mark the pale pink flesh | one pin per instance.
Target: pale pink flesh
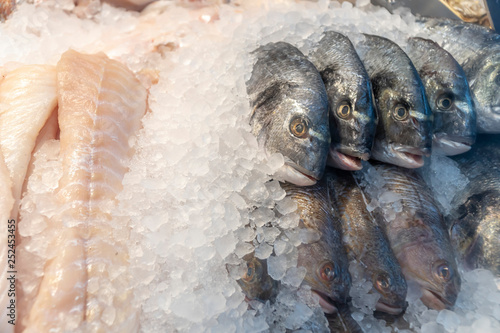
(28, 95)
(100, 107)
(6, 204)
(342, 161)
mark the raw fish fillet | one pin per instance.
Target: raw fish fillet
(6, 203)
(84, 286)
(27, 97)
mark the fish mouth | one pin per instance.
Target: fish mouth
(433, 300)
(292, 173)
(343, 161)
(410, 157)
(392, 310)
(451, 146)
(326, 303)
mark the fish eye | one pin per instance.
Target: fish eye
(250, 273)
(497, 79)
(444, 102)
(400, 112)
(382, 283)
(327, 272)
(298, 127)
(443, 272)
(344, 110)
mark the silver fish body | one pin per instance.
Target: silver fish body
(475, 223)
(352, 118)
(290, 111)
(367, 245)
(477, 50)
(449, 97)
(404, 130)
(419, 238)
(324, 258)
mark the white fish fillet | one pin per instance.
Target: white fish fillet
(27, 97)
(6, 203)
(84, 286)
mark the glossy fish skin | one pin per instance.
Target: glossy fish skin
(419, 238)
(325, 259)
(475, 224)
(368, 246)
(404, 130)
(290, 111)
(449, 97)
(353, 119)
(477, 50)
(343, 322)
(256, 283)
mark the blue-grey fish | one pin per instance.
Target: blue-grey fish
(449, 97)
(475, 223)
(290, 111)
(367, 245)
(256, 283)
(324, 257)
(352, 115)
(477, 50)
(404, 131)
(418, 236)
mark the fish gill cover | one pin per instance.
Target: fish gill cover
(198, 195)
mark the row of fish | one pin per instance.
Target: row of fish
(91, 105)
(412, 245)
(385, 222)
(337, 108)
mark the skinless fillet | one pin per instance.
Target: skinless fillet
(27, 97)
(84, 286)
(6, 203)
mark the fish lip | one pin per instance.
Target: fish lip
(453, 145)
(343, 161)
(392, 310)
(411, 157)
(326, 303)
(429, 296)
(292, 173)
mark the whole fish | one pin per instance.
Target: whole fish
(352, 115)
(418, 236)
(324, 258)
(367, 245)
(290, 111)
(477, 50)
(475, 224)
(404, 131)
(449, 97)
(256, 283)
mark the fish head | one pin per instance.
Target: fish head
(404, 131)
(453, 108)
(327, 274)
(391, 285)
(429, 260)
(485, 88)
(353, 120)
(256, 283)
(299, 130)
(475, 231)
